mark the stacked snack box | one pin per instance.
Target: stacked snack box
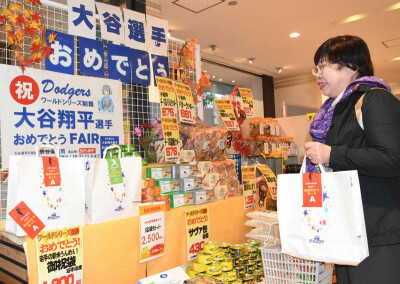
(226, 263)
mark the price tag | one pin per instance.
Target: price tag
(168, 102)
(185, 103)
(227, 114)
(247, 98)
(197, 230)
(249, 186)
(152, 231)
(171, 138)
(60, 256)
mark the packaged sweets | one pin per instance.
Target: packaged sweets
(228, 176)
(209, 144)
(165, 198)
(255, 129)
(267, 127)
(292, 149)
(187, 129)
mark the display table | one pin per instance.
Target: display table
(111, 250)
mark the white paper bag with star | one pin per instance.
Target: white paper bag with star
(321, 217)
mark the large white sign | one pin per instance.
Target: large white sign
(82, 115)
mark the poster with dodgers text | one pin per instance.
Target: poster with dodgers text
(82, 115)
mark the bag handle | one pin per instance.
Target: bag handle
(47, 146)
(303, 166)
(112, 147)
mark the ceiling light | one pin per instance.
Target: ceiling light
(251, 60)
(395, 59)
(205, 71)
(214, 85)
(232, 3)
(220, 79)
(169, 34)
(213, 76)
(279, 69)
(294, 35)
(233, 81)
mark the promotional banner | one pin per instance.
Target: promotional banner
(140, 63)
(111, 22)
(247, 98)
(270, 178)
(197, 230)
(119, 59)
(185, 103)
(135, 29)
(60, 256)
(249, 186)
(227, 114)
(160, 66)
(91, 54)
(167, 97)
(82, 115)
(81, 18)
(171, 138)
(157, 32)
(62, 58)
(152, 231)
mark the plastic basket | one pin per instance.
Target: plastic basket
(280, 268)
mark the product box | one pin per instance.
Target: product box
(210, 181)
(205, 167)
(190, 183)
(167, 185)
(174, 275)
(179, 199)
(149, 193)
(148, 182)
(221, 192)
(164, 197)
(182, 171)
(202, 196)
(158, 172)
(187, 156)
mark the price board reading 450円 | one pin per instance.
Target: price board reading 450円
(167, 97)
(185, 103)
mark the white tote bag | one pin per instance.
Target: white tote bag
(57, 206)
(106, 201)
(322, 225)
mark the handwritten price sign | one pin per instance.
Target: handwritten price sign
(171, 138)
(247, 98)
(227, 114)
(197, 230)
(168, 102)
(185, 103)
(249, 186)
(152, 231)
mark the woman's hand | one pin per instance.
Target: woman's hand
(318, 153)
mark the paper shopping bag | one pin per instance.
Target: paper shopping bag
(321, 217)
(52, 187)
(113, 185)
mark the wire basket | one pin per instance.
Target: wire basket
(280, 268)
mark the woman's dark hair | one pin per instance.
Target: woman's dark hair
(346, 50)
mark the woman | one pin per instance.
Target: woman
(370, 145)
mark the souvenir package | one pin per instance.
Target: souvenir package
(187, 129)
(228, 176)
(256, 126)
(209, 144)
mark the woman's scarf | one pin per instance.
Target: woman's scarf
(323, 118)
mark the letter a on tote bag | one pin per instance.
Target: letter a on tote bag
(112, 187)
(321, 217)
(52, 187)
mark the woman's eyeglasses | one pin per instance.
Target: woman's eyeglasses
(318, 68)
